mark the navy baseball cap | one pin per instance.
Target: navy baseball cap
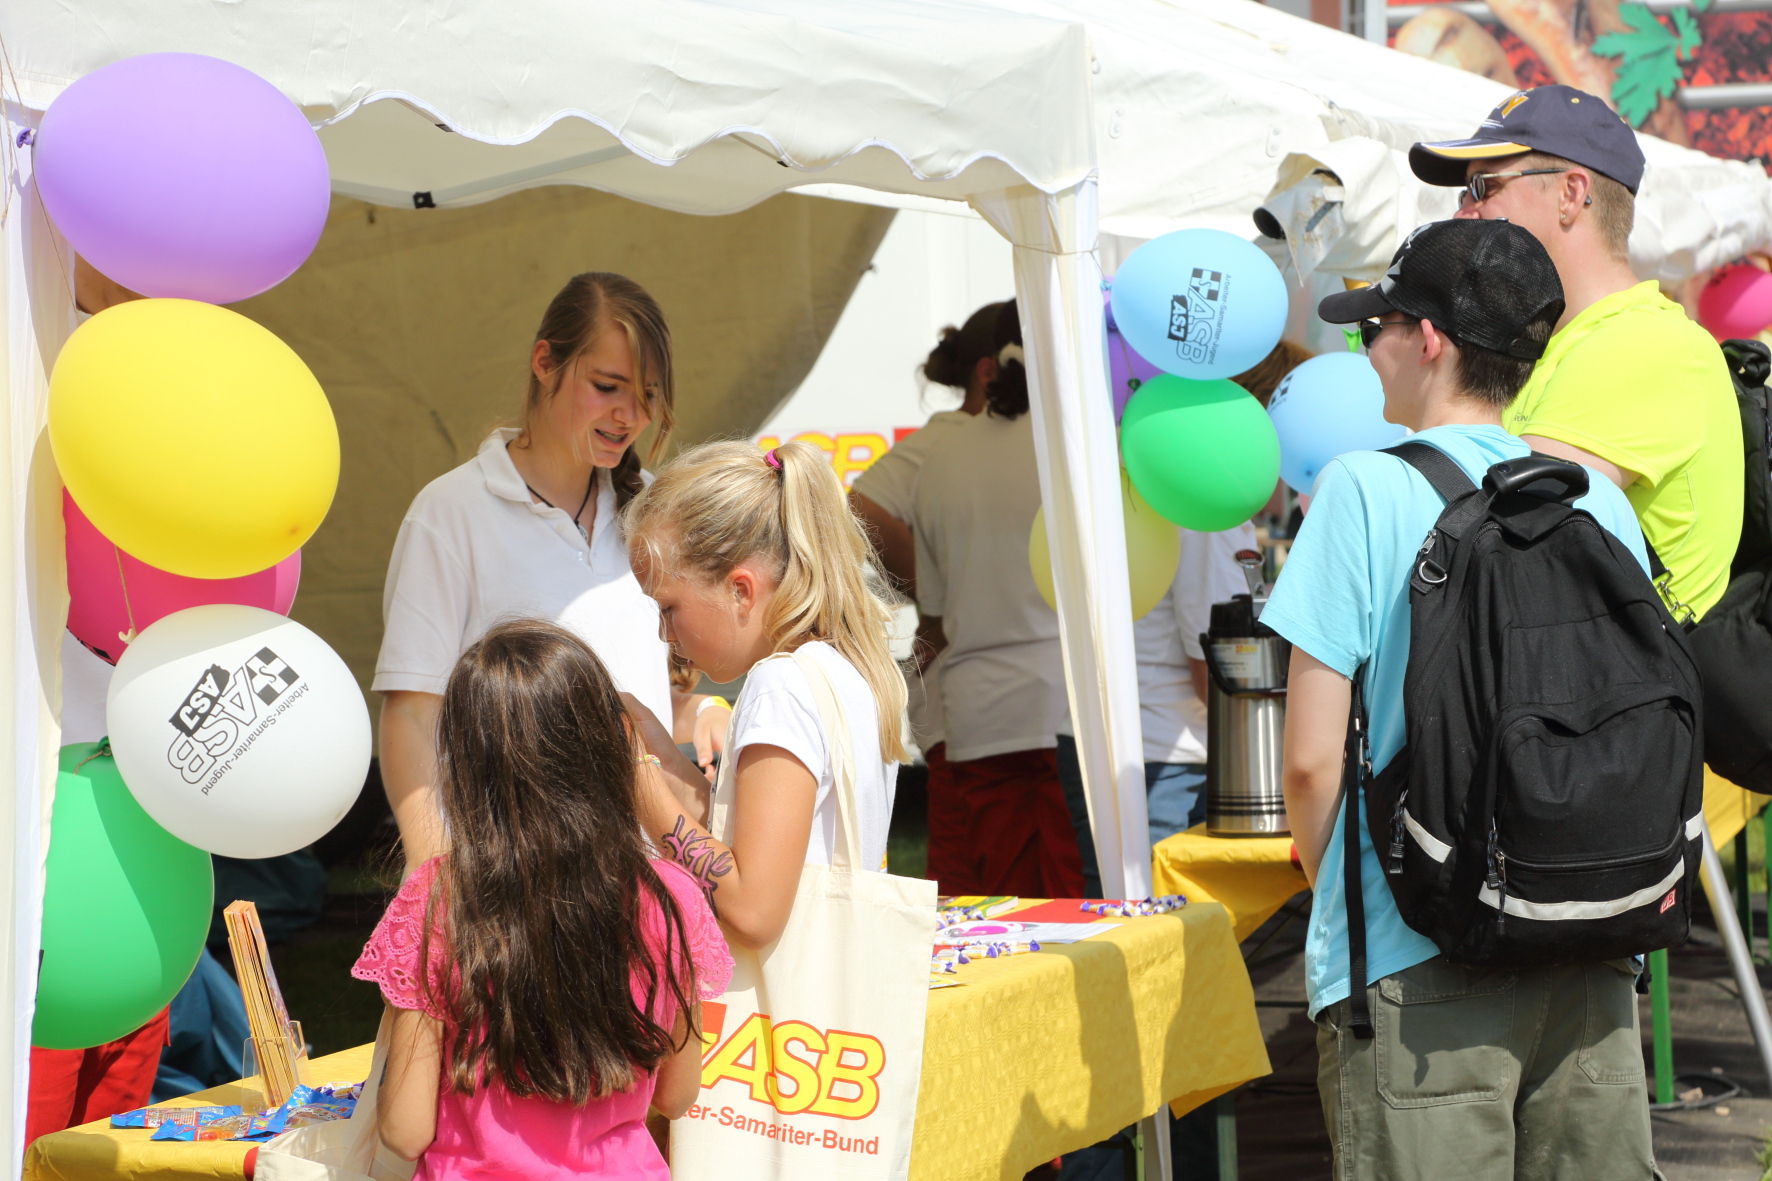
(1480, 282)
(1556, 120)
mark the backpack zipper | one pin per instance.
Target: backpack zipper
(1394, 866)
(1497, 878)
(1604, 862)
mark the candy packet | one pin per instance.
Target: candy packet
(226, 1127)
(154, 1117)
(305, 1105)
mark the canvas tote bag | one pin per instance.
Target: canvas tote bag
(343, 1150)
(815, 1051)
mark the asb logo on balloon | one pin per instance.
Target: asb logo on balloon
(238, 730)
(1199, 303)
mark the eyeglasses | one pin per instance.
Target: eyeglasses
(1477, 187)
(1369, 330)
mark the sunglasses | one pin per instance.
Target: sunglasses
(1478, 187)
(1369, 330)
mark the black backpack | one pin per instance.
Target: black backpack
(1733, 642)
(1545, 807)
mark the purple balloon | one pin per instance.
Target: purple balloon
(1126, 369)
(181, 175)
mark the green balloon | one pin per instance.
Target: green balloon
(1202, 453)
(126, 909)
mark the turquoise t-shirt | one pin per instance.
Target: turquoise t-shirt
(1343, 597)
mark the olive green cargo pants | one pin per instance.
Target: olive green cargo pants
(1526, 1075)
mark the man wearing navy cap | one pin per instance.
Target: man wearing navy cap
(1628, 385)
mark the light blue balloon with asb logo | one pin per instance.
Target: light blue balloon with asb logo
(1328, 406)
(1199, 303)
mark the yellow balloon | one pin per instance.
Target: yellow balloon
(1153, 549)
(192, 437)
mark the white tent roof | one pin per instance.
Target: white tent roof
(742, 99)
(1188, 108)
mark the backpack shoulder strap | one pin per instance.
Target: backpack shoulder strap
(1447, 478)
(1353, 768)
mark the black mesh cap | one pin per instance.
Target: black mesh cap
(1480, 282)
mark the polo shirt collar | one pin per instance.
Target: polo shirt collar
(495, 463)
(504, 482)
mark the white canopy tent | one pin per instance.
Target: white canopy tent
(693, 106)
(1053, 120)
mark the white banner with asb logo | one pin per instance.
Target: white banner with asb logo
(815, 1051)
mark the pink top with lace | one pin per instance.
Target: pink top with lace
(493, 1134)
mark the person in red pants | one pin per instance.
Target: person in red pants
(997, 817)
(73, 1087)
(1000, 826)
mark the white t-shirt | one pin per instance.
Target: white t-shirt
(776, 708)
(891, 482)
(1002, 685)
(474, 549)
(1172, 718)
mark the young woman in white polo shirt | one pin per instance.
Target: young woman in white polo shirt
(528, 528)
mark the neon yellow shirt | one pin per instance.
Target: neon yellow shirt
(1634, 381)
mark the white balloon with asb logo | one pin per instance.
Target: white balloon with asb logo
(238, 730)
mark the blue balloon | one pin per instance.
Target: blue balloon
(1328, 406)
(1200, 303)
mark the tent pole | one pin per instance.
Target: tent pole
(1753, 999)
(1058, 294)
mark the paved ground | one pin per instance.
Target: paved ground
(1280, 1124)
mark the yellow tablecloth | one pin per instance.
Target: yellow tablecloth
(97, 1150)
(1043, 1054)
(1251, 877)
(1036, 1055)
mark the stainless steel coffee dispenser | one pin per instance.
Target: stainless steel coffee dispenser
(1245, 716)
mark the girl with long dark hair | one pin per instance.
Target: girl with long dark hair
(544, 972)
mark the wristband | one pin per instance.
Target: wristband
(711, 701)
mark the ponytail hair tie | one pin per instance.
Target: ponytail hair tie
(1011, 352)
(772, 459)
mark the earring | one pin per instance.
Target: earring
(1587, 201)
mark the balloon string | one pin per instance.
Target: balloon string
(101, 751)
(127, 637)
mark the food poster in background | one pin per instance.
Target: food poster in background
(1660, 70)
(865, 393)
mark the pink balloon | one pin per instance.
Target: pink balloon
(1737, 302)
(1126, 369)
(109, 591)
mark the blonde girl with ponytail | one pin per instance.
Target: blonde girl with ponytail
(751, 556)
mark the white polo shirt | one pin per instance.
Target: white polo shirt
(891, 482)
(474, 549)
(1002, 684)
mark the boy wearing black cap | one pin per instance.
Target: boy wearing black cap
(1628, 385)
(1475, 1074)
